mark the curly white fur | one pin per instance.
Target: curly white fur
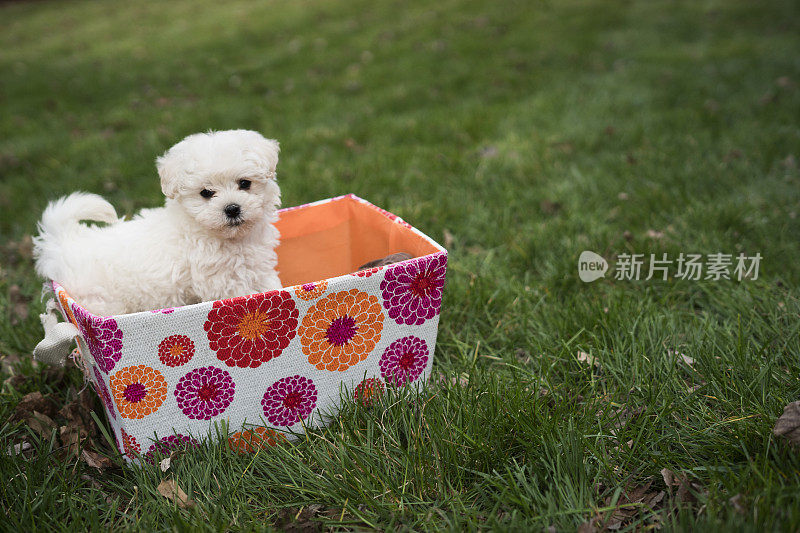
(186, 252)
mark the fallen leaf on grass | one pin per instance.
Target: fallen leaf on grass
(165, 462)
(42, 424)
(299, 520)
(549, 207)
(683, 357)
(34, 402)
(8, 362)
(448, 238)
(72, 437)
(788, 425)
(96, 460)
(589, 359)
(15, 382)
(686, 490)
(19, 304)
(631, 503)
(169, 489)
(18, 448)
(736, 503)
(623, 416)
(92, 481)
(78, 412)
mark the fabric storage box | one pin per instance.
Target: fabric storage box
(273, 363)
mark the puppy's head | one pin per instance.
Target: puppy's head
(224, 180)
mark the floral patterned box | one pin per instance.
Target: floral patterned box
(277, 362)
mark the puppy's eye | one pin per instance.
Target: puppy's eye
(205, 193)
(244, 184)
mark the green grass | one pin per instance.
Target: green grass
(468, 119)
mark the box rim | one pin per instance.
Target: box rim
(54, 285)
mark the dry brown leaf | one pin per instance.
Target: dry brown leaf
(736, 503)
(95, 460)
(169, 489)
(34, 402)
(42, 424)
(788, 425)
(92, 481)
(589, 359)
(20, 447)
(686, 490)
(72, 437)
(626, 508)
(8, 362)
(78, 412)
(624, 415)
(299, 520)
(683, 357)
(448, 238)
(550, 207)
(19, 304)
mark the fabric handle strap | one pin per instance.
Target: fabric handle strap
(58, 337)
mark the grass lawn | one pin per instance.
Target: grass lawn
(518, 134)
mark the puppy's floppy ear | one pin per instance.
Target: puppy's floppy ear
(170, 169)
(263, 153)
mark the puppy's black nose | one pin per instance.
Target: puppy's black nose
(232, 210)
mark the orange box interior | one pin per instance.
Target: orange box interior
(335, 238)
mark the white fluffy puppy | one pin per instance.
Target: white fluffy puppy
(214, 238)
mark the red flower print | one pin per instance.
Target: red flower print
(289, 400)
(176, 350)
(250, 330)
(367, 272)
(130, 447)
(368, 391)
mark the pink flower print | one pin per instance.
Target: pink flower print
(102, 335)
(102, 391)
(205, 392)
(169, 444)
(404, 360)
(412, 291)
(289, 400)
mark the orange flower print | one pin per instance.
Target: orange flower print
(63, 297)
(138, 391)
(250, 440)
(341, 329)
(310, 291)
